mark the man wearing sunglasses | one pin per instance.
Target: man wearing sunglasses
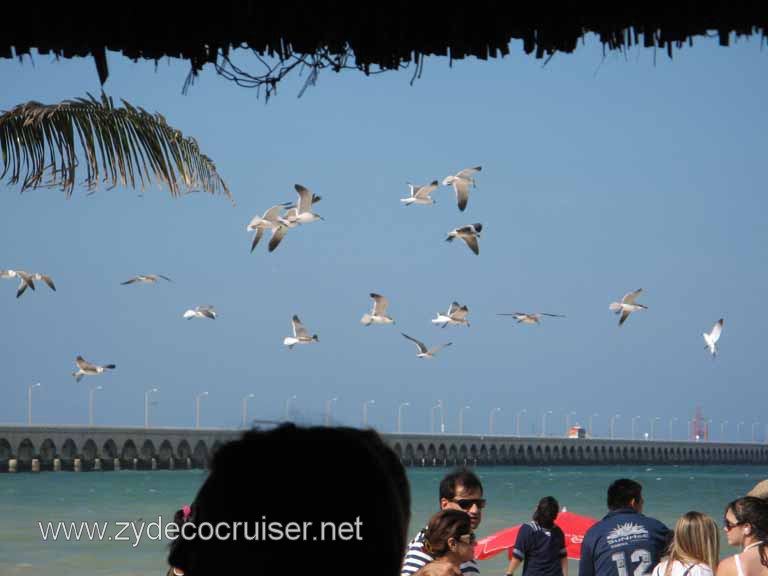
(459, 490)
(625, 542)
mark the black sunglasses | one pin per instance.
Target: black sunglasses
(467, 503)
(728, 525)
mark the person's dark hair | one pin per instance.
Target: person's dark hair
(459, 477)
(343, 489)
(546, 512)
(622, 492)
(446, 524)
(753, 511)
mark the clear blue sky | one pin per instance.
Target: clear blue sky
(597, 179)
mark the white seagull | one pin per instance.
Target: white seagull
(85, 368)
(423, 351)
(146, 279)
(203, 311)
(713, 336)
(461, 182)
(528, 318)
(302, 213)
(269, 221)
(627, 305)
(378, 312)
(456, 315)
(420, 194)
(300, 334)
(469, 233)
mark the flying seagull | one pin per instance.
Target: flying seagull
(627, 305)
(302, 213)
(378, 312)
(269, 221)
(423, 351)
(469, 233)
(456, 315)
(528, 318)
(203, 311)
(85, 368)
(461, 182)
(146, 279)
(420, 194)
(300, 334)
(713, 336)
(25, 280)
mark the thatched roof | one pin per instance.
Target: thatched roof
(381, 35)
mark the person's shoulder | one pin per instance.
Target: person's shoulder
(727, 567)
(470, 567)
(701, 570)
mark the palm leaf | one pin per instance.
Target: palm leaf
(39, 146)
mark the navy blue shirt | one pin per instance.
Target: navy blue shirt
(541, 549)
(624, 543)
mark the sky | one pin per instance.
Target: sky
(599, 176)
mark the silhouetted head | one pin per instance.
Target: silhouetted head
(546, 512)
(326, 496)
(625, 493)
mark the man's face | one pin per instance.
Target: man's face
(472, 500)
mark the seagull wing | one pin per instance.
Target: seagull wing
(271, 214)
(716, 330)
(424, 191)
(454, 306)
(23, 287)
(277, 236)
(380, 304)
(256, 238)
(47, 279)
(461, 186)
(208, 312)
(472, 243)
(83, 364)
(630, 297)
(298, 328)
(434, 350)
(419, 344)
(552, 315)
(305, 198)
(164, 277)
(466, 174)
(624, 316)
(459, 313)
(131, 281)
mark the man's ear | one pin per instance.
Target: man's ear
(443, 503)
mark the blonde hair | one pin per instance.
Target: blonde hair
(696, 541)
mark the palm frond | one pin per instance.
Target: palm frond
(39, 146)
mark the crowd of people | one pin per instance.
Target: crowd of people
(292, 483)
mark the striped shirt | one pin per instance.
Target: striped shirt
(417, 558)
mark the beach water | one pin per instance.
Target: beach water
(149, 497)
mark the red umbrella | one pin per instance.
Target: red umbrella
(574, 526)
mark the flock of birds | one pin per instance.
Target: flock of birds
(281, 218)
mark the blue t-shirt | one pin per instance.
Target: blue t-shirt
(541, 549)
(624, 543)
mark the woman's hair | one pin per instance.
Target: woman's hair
(546, 512)
(696, 540)
(322, 495)
(442, 526)
(753, 511)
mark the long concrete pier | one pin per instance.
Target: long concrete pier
(83, 448)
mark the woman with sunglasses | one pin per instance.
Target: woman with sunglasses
(449, 539)
(695, 547)
(746, 526)
(540, 544)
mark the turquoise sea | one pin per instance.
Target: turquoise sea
(512, 492)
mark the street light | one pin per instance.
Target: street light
(490, 419)
(738, 431)
(288, 407)
(328, 407)
(754, 435)
(365, 411)
(90, 403)
(29, 401)
(671, 420)
(432, 417)
(461, 418)
(245, 408)
(517, 420)
(722, 430)
(634, 419)
(544, 422)
(146, 406)
(568, 421)
(197, 408)
(589, 432)
(653, 422)
(442, 416)
(611, 423)
(400, 416)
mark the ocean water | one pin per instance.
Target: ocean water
(512, 493)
